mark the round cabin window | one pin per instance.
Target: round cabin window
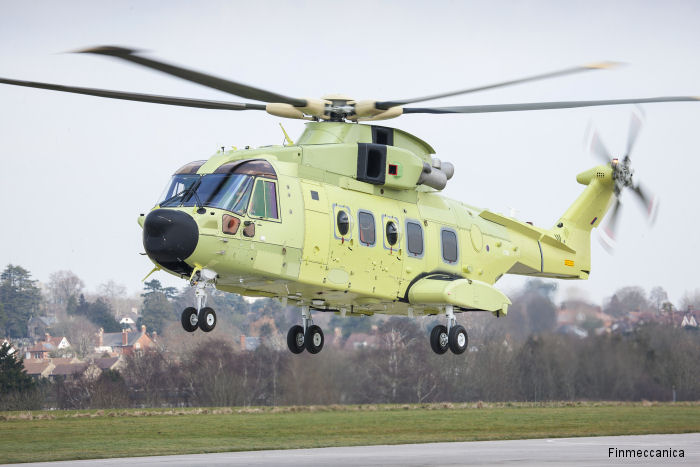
(343, 223)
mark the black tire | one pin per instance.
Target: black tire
(188, 319)
(206, 319)
(458, 339)
(295, 339)
(439, 340)
(313, 339)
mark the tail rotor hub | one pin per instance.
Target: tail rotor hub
(622, 173)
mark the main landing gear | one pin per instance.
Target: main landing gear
(453, 336)
(202, 317)
(308, 336)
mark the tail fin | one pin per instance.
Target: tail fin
(573, 228)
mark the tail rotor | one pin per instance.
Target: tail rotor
(623, 178)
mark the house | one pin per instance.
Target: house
(124, 342)
(578, 312)
(73, 371)
(127, 323)
(38, 368)
(42, 349)
(110, 363)
(40, 325)
(689, 321)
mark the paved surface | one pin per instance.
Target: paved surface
(532, 452)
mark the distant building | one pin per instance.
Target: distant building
(127, 323)
(38, 368)
(42, 349)
(689, 321)
(122, 343)
(40, 325)
(575, 312)
(110, 363)
(73, 371)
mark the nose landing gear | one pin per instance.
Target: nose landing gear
(309, 336)
(453, 336)
(202, 317)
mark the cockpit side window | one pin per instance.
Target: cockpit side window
(264, 200)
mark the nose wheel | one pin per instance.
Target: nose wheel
(453, 336)
(202, 317)
(308, 337)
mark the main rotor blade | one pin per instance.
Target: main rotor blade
(475, 109)
(231, 87)
(133, 96)
(385, 105)
(635, 125)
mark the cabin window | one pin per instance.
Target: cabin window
(264, 200)
(343, 223)
(367, 228)
(448, 238)
(414, 238)
(392, 233)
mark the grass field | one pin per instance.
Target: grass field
(62, 435)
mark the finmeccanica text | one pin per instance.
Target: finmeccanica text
(642, 453)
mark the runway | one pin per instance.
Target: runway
(530, 452)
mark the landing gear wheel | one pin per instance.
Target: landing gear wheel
(189, 319)
(458, 339)
(313, 339)
(439, 340)
(295, 339)
(206, 319)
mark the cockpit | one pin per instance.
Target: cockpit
(240, 187)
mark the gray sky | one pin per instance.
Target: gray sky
(77, 170)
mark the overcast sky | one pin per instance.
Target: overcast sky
(77, 170)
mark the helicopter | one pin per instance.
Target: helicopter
(349, 217)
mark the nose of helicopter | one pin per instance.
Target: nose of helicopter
(169, 237)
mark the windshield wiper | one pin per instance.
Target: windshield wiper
(192, 189)
(179, 193)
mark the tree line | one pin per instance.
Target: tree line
(652, 363)
(518, 357)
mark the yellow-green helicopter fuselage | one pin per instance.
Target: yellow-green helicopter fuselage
(348, 219)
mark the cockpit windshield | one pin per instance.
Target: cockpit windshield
(176, 189)
(224, 191)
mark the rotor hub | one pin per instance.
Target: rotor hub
(622, 173)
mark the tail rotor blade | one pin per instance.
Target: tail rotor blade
(596, 145)
(649, 201)
(610, 228)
